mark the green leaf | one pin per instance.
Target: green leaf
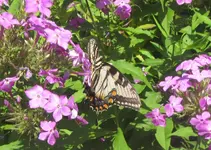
(204, 18)
(163, 134)
(119, 142)
(153, 62)
(15, 7)
(153, 99)
(138, 31)
(184, 132)
(160, 27)
(79, 96)
(12, 146)
(166, 23)
(162, 4)
(128, 68)
(65, 132)
(139, 88)
(146, 53)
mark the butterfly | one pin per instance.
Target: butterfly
(108, 85)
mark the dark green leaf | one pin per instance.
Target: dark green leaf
(119, 142)
(163, 134)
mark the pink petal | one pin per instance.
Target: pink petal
(56, 134)
(194, 121)
(51, 139)
(57, 115)
(43, 136)
(34, 103)
(169, 110)
(33, 92)
(205, 115)
(65, 111)
(178, 108)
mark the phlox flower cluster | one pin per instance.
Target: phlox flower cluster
(122, 7)
(190, 94)
(58, 106)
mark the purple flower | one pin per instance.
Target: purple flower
(81, 120)
(158, 119)
(74, 112)
(188, 65)
(58, 105)
(200, 119)
(205, 130)
(48, 131)
(74, 108)
(33, 6)
(77, 55)
(103, 5)
(5, 2)
(7, 83)
(6, 103)
(51, 77)
(58, 36)
(169, 82)
(180, 2)
(174, 105)
(38, 96)
(199, 76)
(204, 102)
(76, 22)
(28, 74)
(7, 21)
(123, 11)
(121, 2)
(182, 84)
(203, 60)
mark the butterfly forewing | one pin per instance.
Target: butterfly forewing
(108, 85)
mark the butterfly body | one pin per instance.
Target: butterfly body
(108, 85)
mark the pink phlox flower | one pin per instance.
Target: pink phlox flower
(121, 2)
(7, 20)
(169, 82)
(58, 36)
(203, 60)
(200, 119)
(103, 5)
(158, 119)
(6, 103)
(174, 105)
(182, 84)
(205, 102)
(7, 83)
(28, 73)
(74, 112)
(188, 65)
(199, 76)
(205, 129)
(123, 11)
(5, 2)
(48, 132)
(38, 96)
(58, 105)
(180, 2)
(76, 22)
(77, 55)
(74, 108)
(51, 77)
(33, 6)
